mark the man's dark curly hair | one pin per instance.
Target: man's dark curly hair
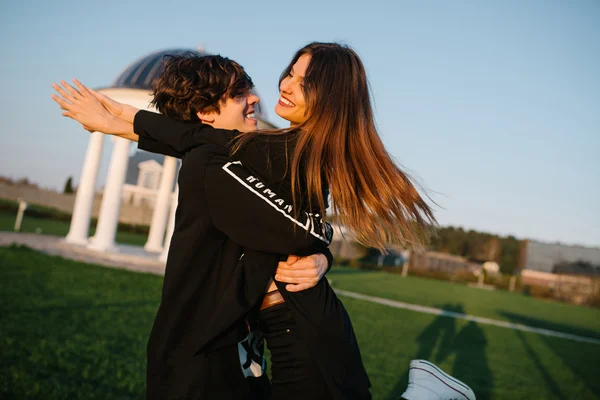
(190, 83)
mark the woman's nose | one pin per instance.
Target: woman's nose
(285, 86)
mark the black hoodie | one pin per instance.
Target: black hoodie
(248, 200)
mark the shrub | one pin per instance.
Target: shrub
(37, 211)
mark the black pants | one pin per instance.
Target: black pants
(206, 376)
(294, 372)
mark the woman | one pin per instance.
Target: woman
(332, 143)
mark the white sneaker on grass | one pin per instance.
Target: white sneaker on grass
(428, 382)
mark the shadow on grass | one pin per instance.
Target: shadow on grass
(554, 326)
(470, 364)
(583, 365)
(468, 346)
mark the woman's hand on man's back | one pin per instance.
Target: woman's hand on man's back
(301, 273)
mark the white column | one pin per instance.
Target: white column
(170, 226)
(84, 199)
(104, 239)
(162, 206)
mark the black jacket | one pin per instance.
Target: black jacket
(260, 170)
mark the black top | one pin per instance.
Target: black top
(246, 199)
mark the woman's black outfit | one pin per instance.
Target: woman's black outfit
(294, 372)
(320, 326)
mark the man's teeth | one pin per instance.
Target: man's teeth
(286, 101)
(251, 115)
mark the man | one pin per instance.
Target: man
(195, 349)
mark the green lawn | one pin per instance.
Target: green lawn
(513, 307)
(74, 331)
(60, 228)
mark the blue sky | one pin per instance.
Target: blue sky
(493, 106)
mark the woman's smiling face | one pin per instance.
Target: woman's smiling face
(291, 105)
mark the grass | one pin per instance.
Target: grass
(75, 331)
(513, 307)
(51, 226)
(70, 330)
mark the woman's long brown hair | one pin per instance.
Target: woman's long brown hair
(338, 142)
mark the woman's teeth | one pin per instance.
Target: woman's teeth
(251, 115)
(286, 102)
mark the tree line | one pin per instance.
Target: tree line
(479, 247)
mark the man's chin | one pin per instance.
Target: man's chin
(250, 125)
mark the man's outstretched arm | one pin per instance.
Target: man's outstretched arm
(158, 133)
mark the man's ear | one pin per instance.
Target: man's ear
(206, 118)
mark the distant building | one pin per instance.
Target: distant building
(546, 257)
(576, 289)
(577, 268)
(443, 262)
(144, 171)
(568, 272)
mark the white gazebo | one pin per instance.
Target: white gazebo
(132, 87)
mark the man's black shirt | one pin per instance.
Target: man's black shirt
(230, 231)
(321, 319)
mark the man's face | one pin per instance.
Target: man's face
(236, 113)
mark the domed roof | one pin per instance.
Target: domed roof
(141, 73)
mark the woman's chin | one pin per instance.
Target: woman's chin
(285, 114)
(280, 111)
